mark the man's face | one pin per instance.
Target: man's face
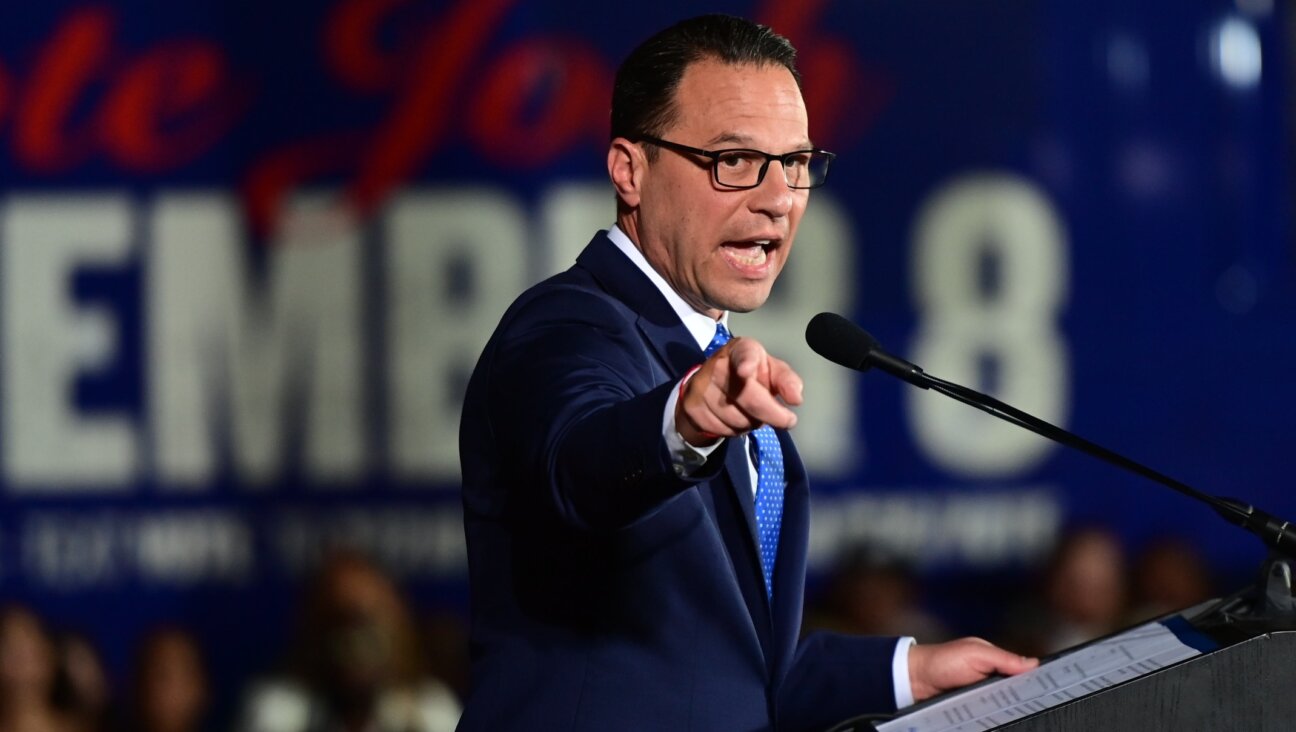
(722, 248)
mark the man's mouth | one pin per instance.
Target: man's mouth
(752, 253)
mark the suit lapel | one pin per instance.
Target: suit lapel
(672, 342)
(656, 320)
(738, 466)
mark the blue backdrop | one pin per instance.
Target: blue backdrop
(248, 254)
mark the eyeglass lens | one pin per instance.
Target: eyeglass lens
(745, 168)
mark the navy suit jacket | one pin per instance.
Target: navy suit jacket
(607, 592)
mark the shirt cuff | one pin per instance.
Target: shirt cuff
(900, 673)
(685, 457)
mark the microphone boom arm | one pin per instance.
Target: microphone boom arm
(842, 342)
(1276, 533)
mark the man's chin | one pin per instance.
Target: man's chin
(742, 302)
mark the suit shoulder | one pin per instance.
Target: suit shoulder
(568, 298)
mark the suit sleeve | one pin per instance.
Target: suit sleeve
(574, 397)
(836, 677)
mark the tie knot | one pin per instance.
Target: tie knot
(721, 337)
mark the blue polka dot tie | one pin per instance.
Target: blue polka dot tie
(768, 456)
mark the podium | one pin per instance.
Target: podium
(1244, 680)
(1247, 686)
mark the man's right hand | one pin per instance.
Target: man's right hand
(738, 389)
(934, 669)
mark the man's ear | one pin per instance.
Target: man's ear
(626, 165)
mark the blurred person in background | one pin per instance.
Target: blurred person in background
(1169, 575)
(357, 665)
(872, 593)
(170, 690)
(1083, 592)
(27, 668)
(81, 688)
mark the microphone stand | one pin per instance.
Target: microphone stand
(1267, 606)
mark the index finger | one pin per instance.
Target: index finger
(758, 402)
(747, 358)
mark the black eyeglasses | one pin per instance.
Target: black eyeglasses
(744, 168)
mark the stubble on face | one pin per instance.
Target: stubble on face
(722, 249)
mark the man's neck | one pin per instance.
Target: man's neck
(700, 325)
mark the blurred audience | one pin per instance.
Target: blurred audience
(1169, 575)
(27, 672)
(357, 666)
(81, 688)
(872, 593)
(1081, 595)
(170, 690)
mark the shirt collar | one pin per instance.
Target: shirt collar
(700, 325)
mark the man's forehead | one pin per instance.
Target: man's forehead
(727, 100)
(717, 73)
(742, 139)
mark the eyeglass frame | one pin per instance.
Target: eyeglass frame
(714, 156)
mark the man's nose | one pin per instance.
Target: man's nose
(772, 196)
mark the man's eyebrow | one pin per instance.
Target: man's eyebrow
(736, 138)
(732, 137)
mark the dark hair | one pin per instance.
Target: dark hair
(643, 97)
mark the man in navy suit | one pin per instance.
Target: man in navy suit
(635, 510)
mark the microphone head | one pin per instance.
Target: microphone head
(841, 341)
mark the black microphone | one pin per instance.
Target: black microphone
(844, 343)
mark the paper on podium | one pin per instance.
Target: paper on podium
(1107, 662)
